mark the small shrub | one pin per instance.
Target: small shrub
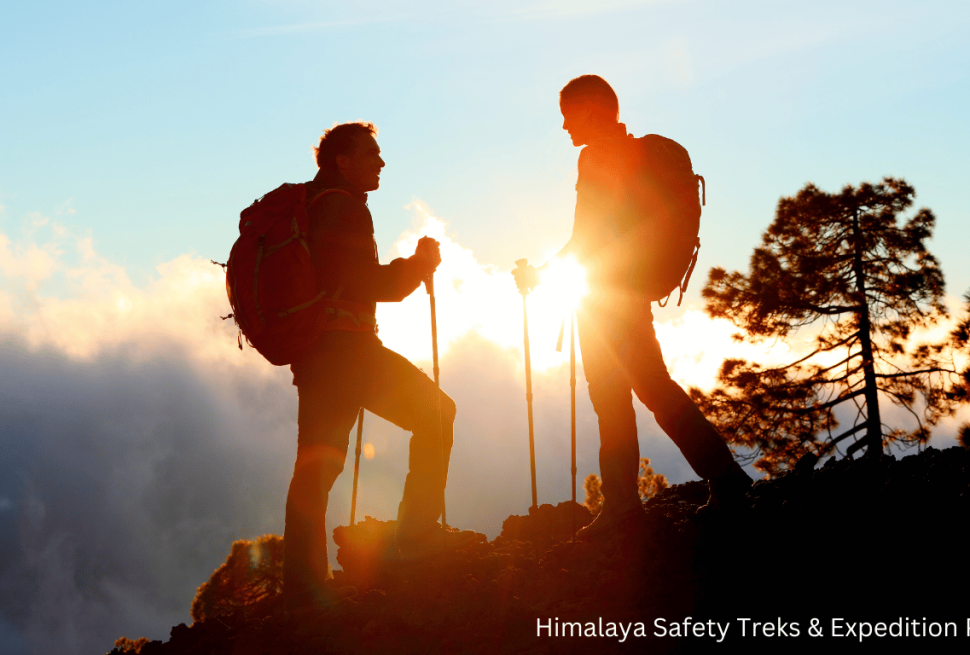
(594, 495)
(126, 645)
(650, 483)
(250, 580)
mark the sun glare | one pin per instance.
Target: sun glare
(563, 285)
(472, 297)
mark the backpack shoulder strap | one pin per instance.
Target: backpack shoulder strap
(324, 193)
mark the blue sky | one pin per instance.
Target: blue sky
(156, 123)
(136, 442)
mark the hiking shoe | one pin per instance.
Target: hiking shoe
(728, 493)
(434, 541)
(310, 604)
(607, 523)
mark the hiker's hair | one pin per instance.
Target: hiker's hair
(340, 140)
(591, 88)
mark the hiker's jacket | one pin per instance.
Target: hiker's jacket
(344, 255)
(610, 207)
(344, 252)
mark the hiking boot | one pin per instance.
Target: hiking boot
(626, 519)
(309, 604)
(433, 541)
(728, 493)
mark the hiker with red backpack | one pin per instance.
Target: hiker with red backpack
(635, 231)
(304, 280)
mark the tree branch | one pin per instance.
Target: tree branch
(861, 426)
(828, 405)
(827, 311)
(909, 373)
(842, 378)
(844, 361)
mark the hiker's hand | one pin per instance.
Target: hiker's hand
(428, 254)
(526, 278)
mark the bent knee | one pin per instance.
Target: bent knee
(448, 408)
(663, 394)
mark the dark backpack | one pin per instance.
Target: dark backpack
(665, 194)
(272, 285)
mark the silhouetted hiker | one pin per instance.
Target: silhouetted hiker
(616, 335)
(348, 368)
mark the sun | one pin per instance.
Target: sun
(563, 285)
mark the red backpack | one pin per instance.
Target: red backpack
(272, 284)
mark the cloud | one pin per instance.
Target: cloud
(65, 208)
(27, 263)
(127, 480)
(90, 305)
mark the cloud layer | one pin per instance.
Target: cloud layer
(138, 441)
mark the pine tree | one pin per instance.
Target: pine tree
(842, 269)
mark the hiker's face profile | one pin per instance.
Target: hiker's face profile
(577, 120)
(362, 167)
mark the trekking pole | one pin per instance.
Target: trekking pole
(521, 264)
(429, 285)
(572, 409)
(572, 403)
(360, 435)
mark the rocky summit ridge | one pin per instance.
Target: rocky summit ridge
(865, 542)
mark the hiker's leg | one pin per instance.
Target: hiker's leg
(600, 341)
(401, 393)
(675, 412)
(327, 411)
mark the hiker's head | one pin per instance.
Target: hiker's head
(351, 151)
(589, 106)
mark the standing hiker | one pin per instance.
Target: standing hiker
(619, 223)
(348, 368)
